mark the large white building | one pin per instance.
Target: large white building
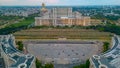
(61, 16)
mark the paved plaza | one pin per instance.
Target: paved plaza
(63, 53)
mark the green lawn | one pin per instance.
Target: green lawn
(62, 33)
(22, 23)
(8, 29)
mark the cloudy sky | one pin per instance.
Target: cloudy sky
(59, 2)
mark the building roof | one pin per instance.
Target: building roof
(109, 59)
(19, 59)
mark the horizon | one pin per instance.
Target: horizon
(58, 2)
(53, 5)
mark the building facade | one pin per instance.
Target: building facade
(108, 59)
(10, 57)
(61, 17)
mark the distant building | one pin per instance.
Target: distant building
(61, 16)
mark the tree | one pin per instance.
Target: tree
(38, 64)
(87, 64)
(49, 65)
(80, 66)
(105, 46)
(20, 45)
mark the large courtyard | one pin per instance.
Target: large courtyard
(59, 52)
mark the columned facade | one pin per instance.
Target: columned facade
(62, 17)
(63, 22)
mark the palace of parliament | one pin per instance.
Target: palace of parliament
(61, 17)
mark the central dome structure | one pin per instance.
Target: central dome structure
(43, 9)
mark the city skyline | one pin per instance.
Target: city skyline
(57, 2)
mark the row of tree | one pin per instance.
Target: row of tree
(20, 45)
(101, 16)
(86, 65)
(105, 46)
(40, 65)
(106, 28)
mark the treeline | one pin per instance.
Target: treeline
(107, 28)
(107, 17)
(105, 46)
(86, 65)
(104, 27)
(40, 65)
(50, 65)
(20, 45)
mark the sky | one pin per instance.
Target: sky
(57, 2)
